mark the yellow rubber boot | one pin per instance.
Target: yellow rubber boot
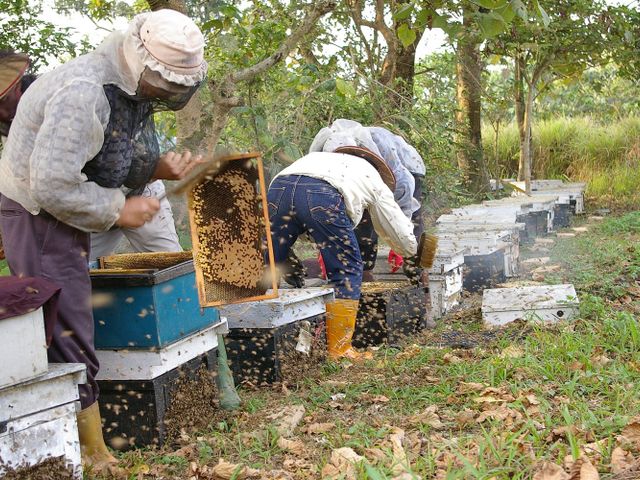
(341, 323)
(95, 455)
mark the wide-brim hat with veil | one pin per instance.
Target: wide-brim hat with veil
(351, 138)
(12, 68)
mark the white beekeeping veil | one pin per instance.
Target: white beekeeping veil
(164, 51)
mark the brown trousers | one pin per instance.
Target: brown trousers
(41, 246)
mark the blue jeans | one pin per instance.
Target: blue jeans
(300, 204)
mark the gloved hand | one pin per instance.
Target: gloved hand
(323, 267)
(293, 271)
(395, 260)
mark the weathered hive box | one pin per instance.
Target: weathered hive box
(388, 312)
(267, 338)
(137, 386)
(490, 255)
(545, 183)
(571, 192)
(147, 309)
(23, 349)
(38, 420)
(445, 281)
(545, 303)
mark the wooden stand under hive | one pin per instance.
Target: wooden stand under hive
(230, 233)
(388, 312)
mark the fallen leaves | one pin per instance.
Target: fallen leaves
(551, 471)
(288, 419)
(342, 464)
(296, 447)
(427, 417)
(621, 460)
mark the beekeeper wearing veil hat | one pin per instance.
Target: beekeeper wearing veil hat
(407, 167)
(81, 148)
(324, 195)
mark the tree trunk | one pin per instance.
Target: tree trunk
(468, 129)
(520, 110)
(495, 143)
(526, 153)
(400, 82)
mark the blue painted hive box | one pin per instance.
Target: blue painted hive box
(147, 309)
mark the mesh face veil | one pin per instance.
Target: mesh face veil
(164, 51)
(164, 95)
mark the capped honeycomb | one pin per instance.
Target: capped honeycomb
(230, 234)
(144, 260)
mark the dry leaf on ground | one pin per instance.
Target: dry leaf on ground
(583, 469)
(320, 427)
(621, 460)
(512, 351)
(292, 446)
(451, 358)
(468, 387)
(341, 464)
(428, 417)
(225, 471)
(550, 471)
(631, 432)
(288, 419)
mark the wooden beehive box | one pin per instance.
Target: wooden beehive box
(230, 232)
(137, 387)
(266, 338)
(388, 312)
(148, 309)
(445, 281)
(38, 420)
(23, 349)
(544, 303)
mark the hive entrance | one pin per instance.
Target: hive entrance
(230, 233)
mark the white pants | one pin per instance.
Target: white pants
(157, 235)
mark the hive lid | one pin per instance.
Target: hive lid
(529, 298)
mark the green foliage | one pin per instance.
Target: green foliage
(25, 30)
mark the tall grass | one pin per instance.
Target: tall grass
(606, 156)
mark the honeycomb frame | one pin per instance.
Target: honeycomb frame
(230, 266)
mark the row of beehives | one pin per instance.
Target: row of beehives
(479, 245)
(38, 401)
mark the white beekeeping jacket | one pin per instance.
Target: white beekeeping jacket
(60, 125)
(58, 128)
(362, 189)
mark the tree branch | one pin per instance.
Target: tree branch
(318, 10)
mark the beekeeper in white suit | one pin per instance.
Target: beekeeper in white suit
(79, 153)
(409, 170)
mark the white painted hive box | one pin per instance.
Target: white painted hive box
(23, 349)
(290, 306)
(445, 282)
(544, 303)
(139, 364)
(38, 419)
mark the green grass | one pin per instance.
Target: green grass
(566, 386)
(606, 156)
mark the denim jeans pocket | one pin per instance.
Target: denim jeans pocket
(328, 208)
(274, 197)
